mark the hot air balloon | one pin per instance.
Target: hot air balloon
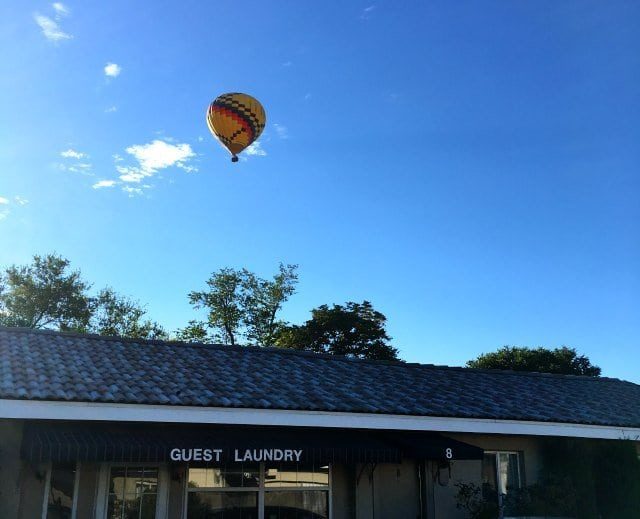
(236, 120)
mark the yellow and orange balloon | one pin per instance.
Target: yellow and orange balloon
(236, 120)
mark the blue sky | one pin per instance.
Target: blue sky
(472, 168)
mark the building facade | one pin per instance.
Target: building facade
(104, 428)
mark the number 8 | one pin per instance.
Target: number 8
(448, 453)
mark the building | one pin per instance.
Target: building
(94, 427)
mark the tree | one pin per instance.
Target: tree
(48, 294)
(44, 294)
(223, 302)
(263, 299)
(562, 360)
(241, 305)
(195, 331)
(353, 330)
(120, 316)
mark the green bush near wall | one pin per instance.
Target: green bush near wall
(617, 471)
(586, 479)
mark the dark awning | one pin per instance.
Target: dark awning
(434, 446)
(117, 442)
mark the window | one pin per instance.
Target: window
(223, 493)
(296, 491)
(269, 491)
(133, 492)
(501, 475)
(61, 491)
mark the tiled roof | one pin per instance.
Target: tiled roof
(44, 365)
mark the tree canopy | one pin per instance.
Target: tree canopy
(44, 294)
(561, 360)
(354, 330)
(241, 306)
(48, 294)
(114, 314)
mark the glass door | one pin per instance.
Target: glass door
(261, 491)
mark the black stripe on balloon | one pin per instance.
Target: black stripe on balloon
(238, 132)
(242, 111)
(246, 114)
(241, 116)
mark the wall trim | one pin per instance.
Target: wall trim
(58, 410)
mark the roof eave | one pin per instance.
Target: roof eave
(92, 411)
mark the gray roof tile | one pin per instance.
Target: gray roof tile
(45, 365)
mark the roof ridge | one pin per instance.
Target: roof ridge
(238, 347)
(303, 353)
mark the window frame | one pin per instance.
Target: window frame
(47, 488)
(102, 501)
(261, 489)
(520, 465)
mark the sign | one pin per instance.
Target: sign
(239, 455)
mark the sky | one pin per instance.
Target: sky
(471, 168)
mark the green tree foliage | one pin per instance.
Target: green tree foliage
(241, 306)
(598, 479)
(582, 478)
(120, 316)
(562, 360)
(263, 299)
(223, 302)
(48, 294)
(354, 330)
(469, 498)
(44, 294)
(195, 331)
(617, 484)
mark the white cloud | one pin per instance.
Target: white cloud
(104, 183)
(150, 159)
(133, 191)
(158, 154)
(281, 131)
(307, 96)
(4, 208)
(145, 161)
(287, 64)
(50, 28)
(112, 69)
(74, 163)
(256, 150)
(164, 137)
(366, 12)
(81, 167)
(5, 205)
(60, 9)
(130, 174)
(72, 154)
(110, 109)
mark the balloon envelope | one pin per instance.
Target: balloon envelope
(236, 120)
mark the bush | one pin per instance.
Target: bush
(469, 498)
(590, 479)
(586, 479)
